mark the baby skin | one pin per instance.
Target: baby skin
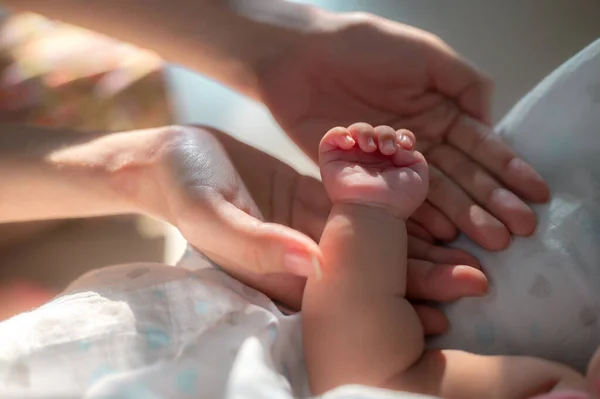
(358, 328)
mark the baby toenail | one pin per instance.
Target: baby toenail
(371, 142)
(406, 141)
(389, 145)
(348, 139)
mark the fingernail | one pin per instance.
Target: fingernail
(472, 279)
(406, 142)
(371, 142)
(303, 263)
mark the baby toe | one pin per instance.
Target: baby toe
(406, 138)
(386, 139)
(338, 137)
(364, 134)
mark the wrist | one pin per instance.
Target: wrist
(271, 31)
(122, 168)
(56, 174)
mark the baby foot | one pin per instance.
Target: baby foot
(375, 167)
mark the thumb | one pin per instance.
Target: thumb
(242, 241)
(272, 258)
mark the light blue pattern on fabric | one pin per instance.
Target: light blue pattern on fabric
(132, 391)
(100, 372)
(187, 254)
(186, 381)
(85, 345)
(159, 294)
(273, 332)
(157, 338)
(202, 308)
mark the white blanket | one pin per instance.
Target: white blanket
(148, 331)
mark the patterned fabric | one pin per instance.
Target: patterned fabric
(154, 331)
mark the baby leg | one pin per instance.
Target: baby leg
(357, 326)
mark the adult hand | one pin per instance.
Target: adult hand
(315, 70)
(358, 67)
(195, 186)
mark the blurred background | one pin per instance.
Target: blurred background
(57, 75)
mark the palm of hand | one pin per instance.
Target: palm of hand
(386, 73)
(380, 73)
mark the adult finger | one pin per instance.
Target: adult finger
(486, 148)
(443, 283)
(422, 250)
(414, 229)
(269, 247)
(435, 222)
(468, 216)
(433, 321)
(484, 189)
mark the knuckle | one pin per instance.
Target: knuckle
(169, 139)
(435, 39)
(361, 19)
(173, 133)
(177, 134)
(361, 127)
(432, 41)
